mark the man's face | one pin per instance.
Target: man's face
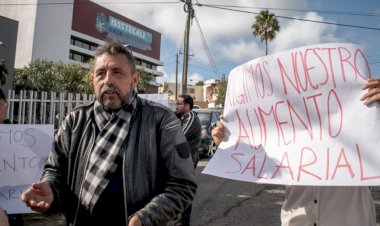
(181, 107)
(3, 110)
(113, 81)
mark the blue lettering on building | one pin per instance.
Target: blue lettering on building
(124, 32)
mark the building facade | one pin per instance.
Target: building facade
(70, 30)
(209, 92)
(204, 96)
(196, 92)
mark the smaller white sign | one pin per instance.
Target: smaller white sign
(23, 154)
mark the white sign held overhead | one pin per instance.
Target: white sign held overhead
(296, 118)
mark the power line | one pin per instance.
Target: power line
(207, 69)
(86, 3)
(293, 18)
(298, 10)
(207, 50)
(200, 5)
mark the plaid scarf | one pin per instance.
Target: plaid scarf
(113, 132)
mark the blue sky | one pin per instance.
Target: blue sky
(228, 33)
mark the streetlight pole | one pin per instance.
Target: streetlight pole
(176, 76)
(188, 7)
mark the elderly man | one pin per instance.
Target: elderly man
(120, 160)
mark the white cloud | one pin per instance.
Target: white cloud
(216, 24)
(298, 33)
(240, 50)
(194, 78)
(227, 33)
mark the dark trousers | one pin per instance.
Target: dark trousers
(185, 216)
(16, 220)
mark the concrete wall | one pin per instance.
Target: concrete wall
(53, 19)
(25, 14)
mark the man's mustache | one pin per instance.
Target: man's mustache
(109, 88)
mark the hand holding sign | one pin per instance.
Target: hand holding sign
(219, 133)
(39, 197)
(373, 94)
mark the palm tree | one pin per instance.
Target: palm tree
(266, 26)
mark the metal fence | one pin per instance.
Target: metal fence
(32, 107)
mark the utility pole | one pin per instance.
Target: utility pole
(176, 76)
(188, 7)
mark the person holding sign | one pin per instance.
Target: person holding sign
(325, 205)
(121, 160)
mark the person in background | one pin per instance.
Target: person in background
(121, 160)
(191, 127)
(14, 219)
(3, 108)
(326, 205)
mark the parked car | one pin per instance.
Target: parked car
(208, 118)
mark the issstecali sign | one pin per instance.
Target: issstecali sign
(296, 118)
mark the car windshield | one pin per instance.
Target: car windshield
(204, 117)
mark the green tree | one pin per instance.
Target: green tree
(73, 78)
(144, 81)
(220, 92)
(265, 26)
(38, 76)
(43, 75)
(200, 83)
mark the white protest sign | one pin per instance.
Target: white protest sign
(24, 150)
(296, 118)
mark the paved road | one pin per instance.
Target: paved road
(225, 202)
(222, 201)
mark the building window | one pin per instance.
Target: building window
(84, 44)
(191, 90)
(81, 57)
(148, 65)
(138, 62)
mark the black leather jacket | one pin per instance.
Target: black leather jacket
(158, 174)
(191, 126)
